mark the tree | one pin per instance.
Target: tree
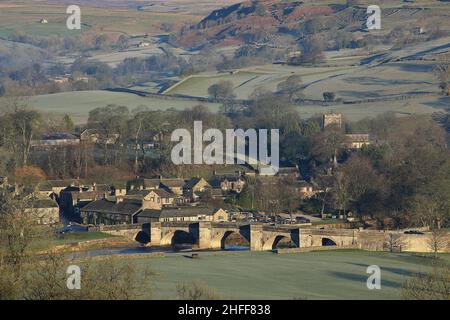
(394, 241)
(327, 145)
(221, 90)
(25, 275)
(433, 285)
(196, 290)
(312, 50)
(289, 195)
(112, 121)
(292, 87)
(438, 240)
(68, 123)
(122, 42)
(442, 71)
(329, 96)
(20, 128)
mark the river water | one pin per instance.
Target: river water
(147, 250)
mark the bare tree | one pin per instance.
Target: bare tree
(394, 241)
(437, 241)
(442, 71)
(196, 290)
(434, 285)
(222, 90)
(292, 87)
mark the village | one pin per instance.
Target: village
(159, 199)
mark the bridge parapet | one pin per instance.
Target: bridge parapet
(120, 227)
(178, 224)
(279, 229)
(231, 225)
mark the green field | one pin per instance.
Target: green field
(78, 104)
(24, 16)
(264, 275)
(67, 239)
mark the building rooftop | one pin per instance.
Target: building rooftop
(178, 212)
(126, 207)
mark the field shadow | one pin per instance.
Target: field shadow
(358, 94)
(370, 81)
(441, 103)
(363, 279)
(398, 271)
(411, 67)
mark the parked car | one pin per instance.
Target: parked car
(302, 220)
(413, 232)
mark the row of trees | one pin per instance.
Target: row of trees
(403, 175)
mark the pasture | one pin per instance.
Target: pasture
(78, 104)
(24, 16)
(264, 275)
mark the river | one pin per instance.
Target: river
(147, 250)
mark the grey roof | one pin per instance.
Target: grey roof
(164, 194)
(358, 137)
(173, 183)
(192, 182)
(58, 136)
(44, 203)
(140, 194)
(177, 212)
(105, 206)
(150, 213)
(288, 170)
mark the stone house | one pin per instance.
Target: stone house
(194, 185)
(49, 187)
(173, 185)
(229, 183)
(55, 139)
(153, 199)
(185, 214)
(356, 141)
(306, 189)
(289, 172)
(72, 198)
(44, 211)
(109, 212)
(143, 184)
(95, 136)
(332, 119)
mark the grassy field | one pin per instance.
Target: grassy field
(67, 239)
(24, 16)
(78, 104)
(246, 80)
(264, 275)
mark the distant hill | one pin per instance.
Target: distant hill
(285, 22)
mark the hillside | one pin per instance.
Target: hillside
(285, 22)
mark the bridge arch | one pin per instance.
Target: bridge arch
(174, 237)
(219, 240)
(272, 242)
(141, 237)
(328, 242)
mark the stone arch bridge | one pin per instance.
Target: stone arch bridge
(262, 237)
(212, 235)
